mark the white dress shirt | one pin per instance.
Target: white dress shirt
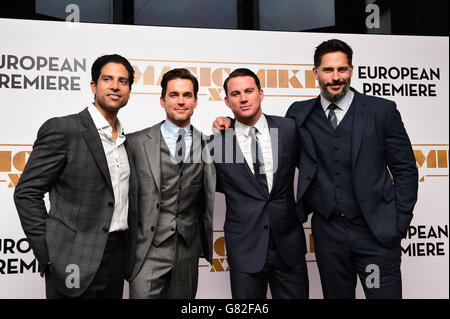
(170, 133)
(119, 168)
(343, 105)
(245, 140)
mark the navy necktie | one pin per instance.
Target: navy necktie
(180, 148)
(258, 160)
(332, 116)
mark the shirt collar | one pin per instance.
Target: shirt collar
(172, 129)
(343, 103)
(243, 129)
(101, 123)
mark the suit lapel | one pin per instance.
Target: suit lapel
(359, 121)
(241, 162)
(152, 147)
(94, 144)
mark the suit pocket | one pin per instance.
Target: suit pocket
(61, 222)
(233, 226)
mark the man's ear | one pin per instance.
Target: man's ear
(93, 87)
(227, 102)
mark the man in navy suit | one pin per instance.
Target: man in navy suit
(255, 166)
(358, 174)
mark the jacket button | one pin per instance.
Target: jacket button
(266, 227)
(105, 229)
(110, 204)
(152, 228)
(157, 205)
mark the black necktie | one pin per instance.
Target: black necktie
(258, 160)
(332, 116)
(180, 148)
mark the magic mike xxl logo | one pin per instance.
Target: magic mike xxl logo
(13, 158)
(278, 80)
(431, 160)
(399, 80)
(40, 72)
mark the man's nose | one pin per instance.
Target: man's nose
(115, 85)
(335, 75)
(180, 100)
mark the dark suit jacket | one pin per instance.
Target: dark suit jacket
(380, 145)
(69, 162)
(250, 212)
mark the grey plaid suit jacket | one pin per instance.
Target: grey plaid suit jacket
(69, 162)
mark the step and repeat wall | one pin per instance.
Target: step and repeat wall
(45, 72)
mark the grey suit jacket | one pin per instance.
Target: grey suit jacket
(69, 162)
(145, 147)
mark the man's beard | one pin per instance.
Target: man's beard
(334, 96)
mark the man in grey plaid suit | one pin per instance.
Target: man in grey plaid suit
(85, 244)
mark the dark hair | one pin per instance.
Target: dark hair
(330, 46)
(241, 72)
(115, 58)
(179, 73)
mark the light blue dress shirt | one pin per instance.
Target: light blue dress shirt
(170, 133)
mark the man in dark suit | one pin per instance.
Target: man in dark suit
(255, 166)
(177, 184)
(358, 174)
(84, 244)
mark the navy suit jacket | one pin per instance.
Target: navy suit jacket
(384, 172)
(250, 212)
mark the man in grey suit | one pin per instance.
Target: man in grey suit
(85, 243)
(176, 180)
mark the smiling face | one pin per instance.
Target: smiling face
(112, 89)
(334, 75)
(179, 101)
(244, 99)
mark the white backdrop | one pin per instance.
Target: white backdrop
(45, 72)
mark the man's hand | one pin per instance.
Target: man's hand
(220, 124)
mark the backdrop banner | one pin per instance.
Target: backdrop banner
(45, 72)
